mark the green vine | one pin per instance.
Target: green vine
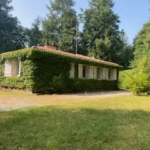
(48, 72)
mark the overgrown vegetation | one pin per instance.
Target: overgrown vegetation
(137, 82)
(42, 71)
(138, 79)
(12, 35)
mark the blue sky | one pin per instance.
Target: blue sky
(133, 13)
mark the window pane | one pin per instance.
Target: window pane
(84, 71)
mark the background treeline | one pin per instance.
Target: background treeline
(100, 36)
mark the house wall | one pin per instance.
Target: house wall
(46, 72)
(9, 77)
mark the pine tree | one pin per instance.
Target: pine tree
(101, 31)
(60, 26)
(34, 35)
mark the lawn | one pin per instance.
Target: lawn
(117, 123)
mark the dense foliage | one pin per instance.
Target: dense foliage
(11, 33)
(126, 53)
(141, 45)
(135, 81)
(25, 81)
(101, 30)
(60, 26)
(34, 35)
(43, 72)
(138, 79)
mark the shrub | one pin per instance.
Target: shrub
(136, 82)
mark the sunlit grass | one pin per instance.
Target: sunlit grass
(113, 123)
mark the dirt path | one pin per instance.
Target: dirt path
(10, 100)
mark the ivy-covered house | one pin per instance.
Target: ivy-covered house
(47, 70)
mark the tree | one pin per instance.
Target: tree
(138, 78)
(11, 33)
(141, 45)
(34, 35)
(101, 31)
(60, 26)
(126, 53)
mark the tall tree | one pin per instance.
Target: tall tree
(11, 33)
(34, 35)
(60, 26)
(141, 44)
(126, 53)
(101, 31)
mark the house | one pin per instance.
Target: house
(47, 70)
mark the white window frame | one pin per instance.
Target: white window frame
(10, 75)
(5, 68)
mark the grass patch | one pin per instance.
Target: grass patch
(118, 123)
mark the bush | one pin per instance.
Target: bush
(136, 82)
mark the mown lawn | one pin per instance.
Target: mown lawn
(118, 123)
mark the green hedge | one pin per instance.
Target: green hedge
(85, 85)
(46, 72)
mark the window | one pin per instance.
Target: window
(110, 74)
(98, 73)
(12, 68)
(84, 71)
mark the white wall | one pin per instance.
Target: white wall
(114, 74)
(72, 70)
(80, 71)
(90, 72)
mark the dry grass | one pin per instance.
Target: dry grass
(14, 99)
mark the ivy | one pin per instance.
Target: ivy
(48, 72)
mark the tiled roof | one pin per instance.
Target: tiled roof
(76, 56)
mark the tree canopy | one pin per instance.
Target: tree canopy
(60, 26)
(141, 44)
(100, 36)
(101, 30)
(11, 32)
(34, 35)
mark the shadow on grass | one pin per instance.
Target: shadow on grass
(74, 129)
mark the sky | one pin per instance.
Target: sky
(133, 13)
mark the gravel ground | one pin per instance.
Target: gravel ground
(13, 99)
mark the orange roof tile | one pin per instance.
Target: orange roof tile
(76, 56)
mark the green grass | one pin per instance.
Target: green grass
(119, 123)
